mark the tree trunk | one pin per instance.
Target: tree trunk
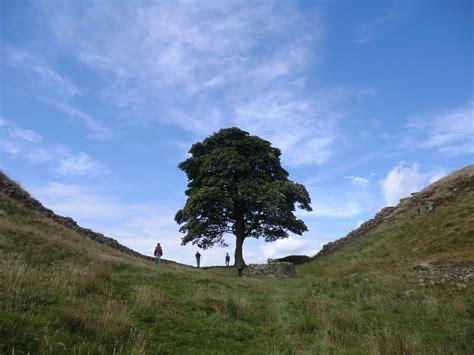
(239, 239)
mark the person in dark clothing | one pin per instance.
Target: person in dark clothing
(198, 259)
(158, 253)
(227, 259)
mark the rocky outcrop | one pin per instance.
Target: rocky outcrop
(273, 269)
(13, 190)
(456, 274)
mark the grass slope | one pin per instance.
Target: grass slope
(62, 293)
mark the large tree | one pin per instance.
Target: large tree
(237, 185)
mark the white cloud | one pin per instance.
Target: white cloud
(77, 165)
(358, 180)
(29, 145)
(291, 246)
(400, 182)
(450, 132)
(13, 131)
(206, 65)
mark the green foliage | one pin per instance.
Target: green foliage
(237, 185)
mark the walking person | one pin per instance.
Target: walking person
(198, 259)
(227, 259)
(158, 253)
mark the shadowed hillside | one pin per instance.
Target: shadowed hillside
(383, 292)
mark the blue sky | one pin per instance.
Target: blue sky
(368, 101)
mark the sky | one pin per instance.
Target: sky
(101, 100)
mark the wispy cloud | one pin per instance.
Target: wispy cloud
(96, 128)
(372, 29)
(13, 131)
(29, 145)
(358, 180)
(206, 65)
(45, 75)
(450, 132)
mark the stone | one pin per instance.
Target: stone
(422, 210)
(425, 266)
(425, 207)
(274, 269)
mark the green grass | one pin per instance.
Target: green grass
(61, 293)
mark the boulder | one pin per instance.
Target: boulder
(274, 269)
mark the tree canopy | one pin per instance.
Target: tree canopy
(236, 184)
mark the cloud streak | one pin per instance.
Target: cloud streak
(372, 30)
(45, 75)
(206, 65)
(450, 132)
(29, 145)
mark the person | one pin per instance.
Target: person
(158, 253)
(198, 259)
(227, 259)
(240, 265)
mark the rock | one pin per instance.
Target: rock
(425, 266)
(274, 269)
(425, 207)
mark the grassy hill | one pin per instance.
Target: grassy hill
(61, 292)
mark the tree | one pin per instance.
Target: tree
(237, 185)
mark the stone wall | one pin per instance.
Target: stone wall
(364, 228)
(274, 269)
(13, 190)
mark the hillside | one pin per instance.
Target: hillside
(381, 292)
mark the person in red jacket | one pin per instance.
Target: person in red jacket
(158, 253)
